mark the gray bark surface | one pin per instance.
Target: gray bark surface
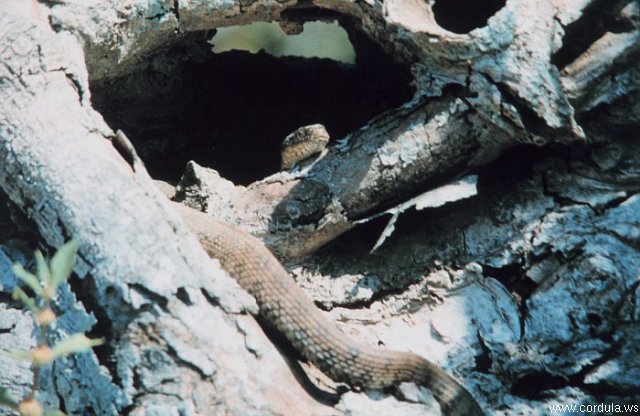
(527, 292)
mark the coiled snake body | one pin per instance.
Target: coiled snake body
(285, 306)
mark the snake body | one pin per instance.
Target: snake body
(285, 306)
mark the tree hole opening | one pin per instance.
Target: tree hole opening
(231, 110)
(462, 16)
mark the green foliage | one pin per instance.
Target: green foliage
(29, 302)
(6, 400)
(49, 277)
(61, 266)
(41, 267)
(28, 278)
(44, 285)
(74, 344)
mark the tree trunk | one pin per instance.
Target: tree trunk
(526, 290)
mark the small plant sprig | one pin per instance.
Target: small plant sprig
(45, 284)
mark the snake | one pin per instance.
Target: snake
(284, 306)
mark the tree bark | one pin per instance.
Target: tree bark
(526, 292)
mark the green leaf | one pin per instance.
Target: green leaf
(6, 399)
(28, 278)
(75, 343)
(54, 413)
(16, 355)
(42, 268)
(29, 302)
(61, 264)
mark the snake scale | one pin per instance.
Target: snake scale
(285, 306)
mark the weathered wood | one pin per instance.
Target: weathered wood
(176, 334)
(526, 293)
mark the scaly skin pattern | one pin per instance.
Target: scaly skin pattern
(302, 144)
(285, 306)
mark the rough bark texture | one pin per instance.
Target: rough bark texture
(527, 292)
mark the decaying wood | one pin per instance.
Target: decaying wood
(527, 293)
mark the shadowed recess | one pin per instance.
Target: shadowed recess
(593, 24)
(231, 111)
(462, 16)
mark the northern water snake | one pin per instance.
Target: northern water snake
(285, 306)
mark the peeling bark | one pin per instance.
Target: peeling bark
(528, 292)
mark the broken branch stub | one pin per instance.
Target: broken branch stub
(476, 95)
